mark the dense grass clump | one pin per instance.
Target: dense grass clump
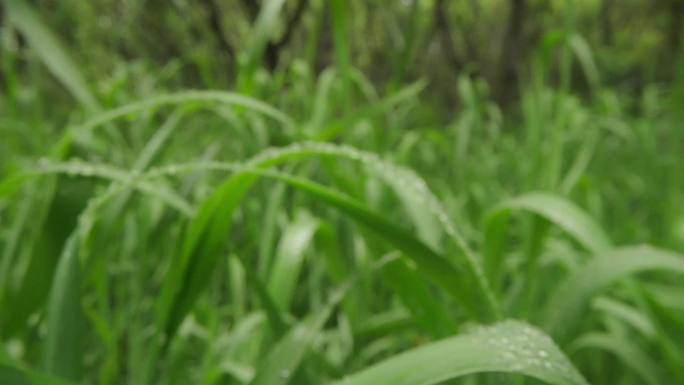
(312, 224)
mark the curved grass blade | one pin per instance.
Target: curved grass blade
(564, 306)
(15, 375)
(83, 132)
(669, 326)
(560, 212)
(426, 309)
(10, 245)
(411, 183)
(433, 265)
(282, 361)
(557, 210)
(627, 314)
(289, 259)
(184, 98)
(634, 359)
(261, 33)
(80, 168)
(582, 51)
(63, 354)
(508, 346)
(207, 231)
(172, 310)
(51, 51)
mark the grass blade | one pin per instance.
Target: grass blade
(83, 131)
(51, 51)
(14, 375)
(208, 228)
(563, 214)
(282, 361)
(63, 354)
(289, 259)
(564, 306)
(633, 358)
(508, 346)
(262, 30)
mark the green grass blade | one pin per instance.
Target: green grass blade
(565, 304)
(669, 325)
(633, 358)
(190, 97)
(282, 361)
(15, 375)
(63, 351)
(426, 309)
(627, 314)
(263, 28)
(269, 228)
(560, 212)
(80, 168)
(156, 143)
(207, 231)
(427, 225)
(339, 16)
(508, 346)
(51, 51)
(289, 259)
(434, 266)
(582, 51)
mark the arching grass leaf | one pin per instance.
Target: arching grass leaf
(509, 346)
(565, 304)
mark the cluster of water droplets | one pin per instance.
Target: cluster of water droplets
(386, 170)
(525, 349)
(181, 168)
(78, 167)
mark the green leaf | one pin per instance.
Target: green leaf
(560, 212)
(262, 30)
(51, 51)
(669, 325)
(197, 257)
(564, 306)
(627, 314)
(284, 358)
(289, 259)
(84, 130)
(428, 311)
(582, 51)
(633, 358)
(16, 375)
(508, 346)
(432, 265)
(63, 352)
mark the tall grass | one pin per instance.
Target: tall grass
(325, 231)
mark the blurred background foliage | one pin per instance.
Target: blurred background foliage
(518, 68)
(207, 43)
